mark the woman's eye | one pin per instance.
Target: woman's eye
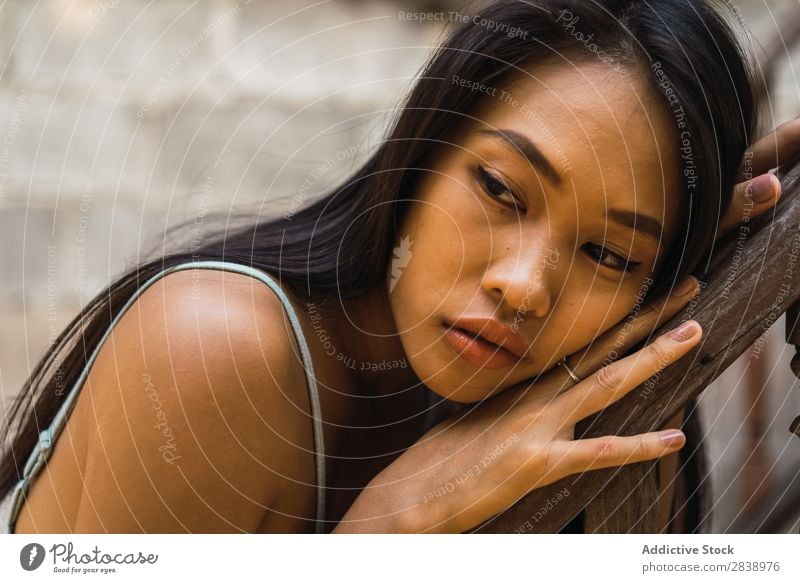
(610, 259)
(495, 188)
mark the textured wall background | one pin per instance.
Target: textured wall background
(118, 118)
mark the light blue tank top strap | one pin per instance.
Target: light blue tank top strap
(48, 436)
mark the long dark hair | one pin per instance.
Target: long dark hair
(340, 245)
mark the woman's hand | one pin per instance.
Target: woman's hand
(758, 189)
(613, 343)
(474, 465)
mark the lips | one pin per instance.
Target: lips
(485, 343)
(497, 333)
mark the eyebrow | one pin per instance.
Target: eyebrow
(521, 144)
(638, 222)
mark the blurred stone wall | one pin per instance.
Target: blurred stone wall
(121, 117)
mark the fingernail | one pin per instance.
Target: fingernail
(685, 331)
(673, 438)
(685, 287)
(761, 188)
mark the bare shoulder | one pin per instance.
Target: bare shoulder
(194, 416)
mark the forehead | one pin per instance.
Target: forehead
(608, 135)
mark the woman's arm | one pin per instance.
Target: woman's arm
(469, 468)
(451, 478)
(183, 415)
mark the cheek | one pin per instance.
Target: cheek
(589, 316)
(425, 265)
(438, 243)
(415, 310)
(426, 275)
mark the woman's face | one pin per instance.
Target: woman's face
(548, 214)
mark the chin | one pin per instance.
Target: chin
(452, 379)
(447, 374)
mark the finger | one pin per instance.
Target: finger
(638, 325)
(776, 149)
(750, 199)
(617, 341)
(581, 455)
(610, 383)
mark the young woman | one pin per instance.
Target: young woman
(384, 359)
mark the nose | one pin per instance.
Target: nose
(523, 281)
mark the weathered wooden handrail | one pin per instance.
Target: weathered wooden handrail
(753, 277)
